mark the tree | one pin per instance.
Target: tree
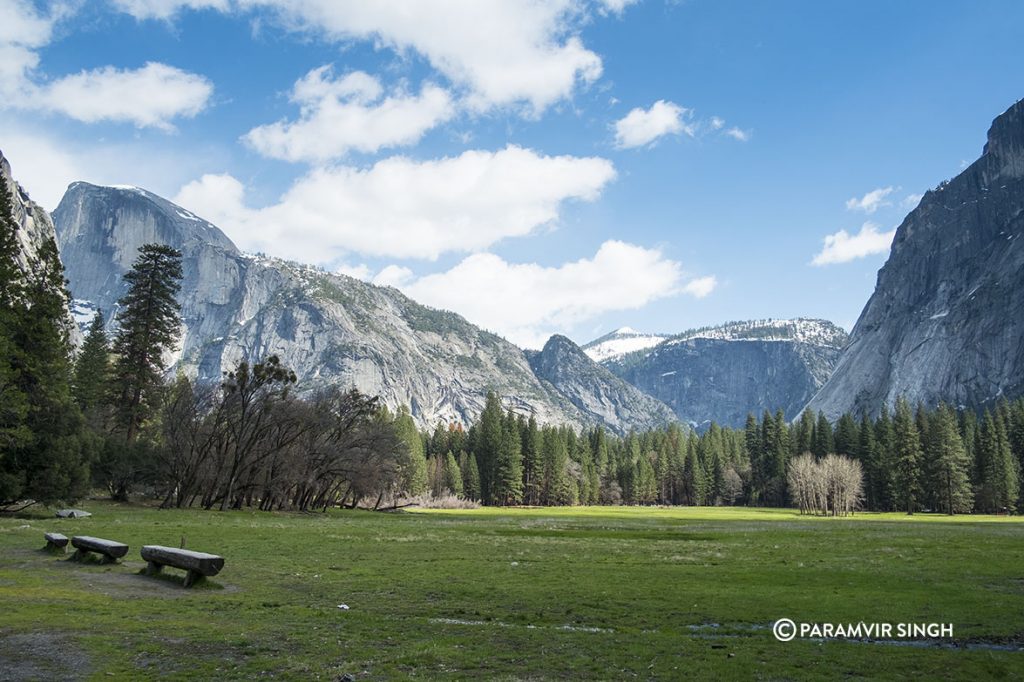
(507, 484)
(92, 368)
(148, 324)
(951, 484)
(42, 450)
(413, 464)
(470, 476)
(1000, 484)
(907, 447)
(452, 475)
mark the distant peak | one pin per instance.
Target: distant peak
(626, 330)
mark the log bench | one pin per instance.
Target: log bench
(111, 551)
(56, 542)
(198, 564)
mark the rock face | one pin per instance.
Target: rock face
(723, 373)
(328, 328)
(595, 390)
(35, 233)
(946, 320)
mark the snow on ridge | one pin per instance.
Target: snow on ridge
(616, 346)
(801, 330)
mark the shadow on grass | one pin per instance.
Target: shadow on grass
(202, 583)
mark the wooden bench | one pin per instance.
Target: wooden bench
(198, 564)
(111, 551)
(55, 542)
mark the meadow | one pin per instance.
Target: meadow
(557, 593)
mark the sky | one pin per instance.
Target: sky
(569, 166)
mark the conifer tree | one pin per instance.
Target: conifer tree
(532, 466)
(907, 447)
(413, 478)
(452, 475)
(823, 441)
(507, 486)
(92, 368)
(470, 476)
(1000, 483)
(148, 326)
(489, 441)
(950, 468)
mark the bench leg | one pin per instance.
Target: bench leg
(78, 555)
(153, 568)
(192, 578)
(107, 559)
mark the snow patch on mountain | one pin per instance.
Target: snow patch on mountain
(621, 342)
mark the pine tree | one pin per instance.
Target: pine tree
(845, 437)
(532, 466)
(950, 468)
(507, 486)
(907, 447)
(148, 327)
(1000, 483)
(867, 453)
(92, 368)
(413, 477)
(885, 461)
(452, 475)
(823, 441)
(489, 441)
(470, 476)
(43, 454)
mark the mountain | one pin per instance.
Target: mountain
(595, 390)
(946, 320)
(35, 233)
(329, 328)
(620, 342)
(723, 373)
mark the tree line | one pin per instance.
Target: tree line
(112, 418)
(904, 460)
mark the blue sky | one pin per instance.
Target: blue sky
(562, 167)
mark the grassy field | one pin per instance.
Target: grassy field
(582, 593)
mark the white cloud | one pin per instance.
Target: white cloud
(361, 271)
(641, 127)
(165, 9)
(843, 247)
(402, 208)
(700, 287)
(738, 134)
(911, 201)
(510, 52)
(870, 202)
(615, 6)
(339, 115)
(393, 276)
(526, 302)
(716, 123)
(151, 96)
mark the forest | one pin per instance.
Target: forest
(110, 417)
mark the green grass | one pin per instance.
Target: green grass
(578, 593)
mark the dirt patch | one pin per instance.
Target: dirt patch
(41, 656)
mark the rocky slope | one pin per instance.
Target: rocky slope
(946, 320)
(35, 232)
(331, 329)
(595, 390)
(722, 373)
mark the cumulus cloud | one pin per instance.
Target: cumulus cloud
(870, 202)
(526, 302)
(843, 247)
(641, 127)
(339, 115)
(150, 96)
(403, 208)
(513, 53)
(614, 6)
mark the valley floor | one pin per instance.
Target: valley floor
(581, 593)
